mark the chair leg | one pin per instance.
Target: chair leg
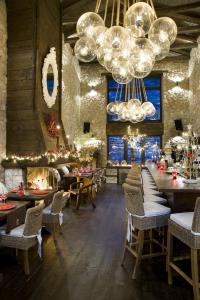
(78, 202)
(54, 230)
(26, 263)
(91, 198)
(139, 252)
(124, 252)
(195, 273)
(169, 256)
(151, 241)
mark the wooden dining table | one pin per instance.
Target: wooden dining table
(14, 217)
(30, 196)
(182, 196)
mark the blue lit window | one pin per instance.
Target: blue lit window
(116, 149)
(151, 146)
(153, 91)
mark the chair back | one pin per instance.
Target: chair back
(136, 167)
(133, 182)
(133, 200)
(134, 177)
(57, 203)
(33, 220)
(196, 217)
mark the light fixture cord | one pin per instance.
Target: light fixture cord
(124, 12)
(116, 93)
(113, 13)
(98, 3)
(144, 91)
(120, 96)
(137, 90)
(126, 92)
(140, 90)
(118, 13)
(152, 5)
(134, 88)
(106, 10)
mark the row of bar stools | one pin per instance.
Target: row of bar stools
(142, 217)
(183, 226)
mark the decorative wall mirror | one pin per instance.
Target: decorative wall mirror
(50, 78)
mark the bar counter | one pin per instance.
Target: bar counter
(182, 196)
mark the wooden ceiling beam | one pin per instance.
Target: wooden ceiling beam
(186, 38)
(79, 8)
(181, 52)
(180, 8)
(181, 17)
(188, 29)
(184, 46)
(68, 3)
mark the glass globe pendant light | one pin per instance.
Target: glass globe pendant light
(124, 114)
(133, 34)
(148, 109)
(100, 53)
(115, 37)
(142, 59)
(165, 28)
(137, 116)
(111, 108)
(114, 108)
(98, 35)
(160, 48)
(84, 49)
(121, 74)
(87, 22)
(140, 15)
(133, 104)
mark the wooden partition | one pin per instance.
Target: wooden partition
(34, 26)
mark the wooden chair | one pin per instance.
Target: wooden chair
(142, 217)
(80, 190)
(24, 236)
(52, 215)
(186, 228)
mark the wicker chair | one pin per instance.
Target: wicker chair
(150, 197)
(24, 236)
(142, 218)
(186, 228)
(52, 215)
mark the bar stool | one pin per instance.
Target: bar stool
(185, 227)
(151, 198)
(142, 217)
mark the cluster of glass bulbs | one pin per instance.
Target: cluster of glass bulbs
(135, 109)
(128, 51)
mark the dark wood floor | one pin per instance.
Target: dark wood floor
(84, 263)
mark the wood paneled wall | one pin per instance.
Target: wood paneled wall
(34, 27)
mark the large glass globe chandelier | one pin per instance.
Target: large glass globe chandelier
(127, 44)
(134, 106)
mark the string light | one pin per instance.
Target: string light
(49, 156)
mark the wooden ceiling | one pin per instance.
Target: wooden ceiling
(186, 14)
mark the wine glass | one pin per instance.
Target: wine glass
(4, 197)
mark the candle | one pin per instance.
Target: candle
(174, 174)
